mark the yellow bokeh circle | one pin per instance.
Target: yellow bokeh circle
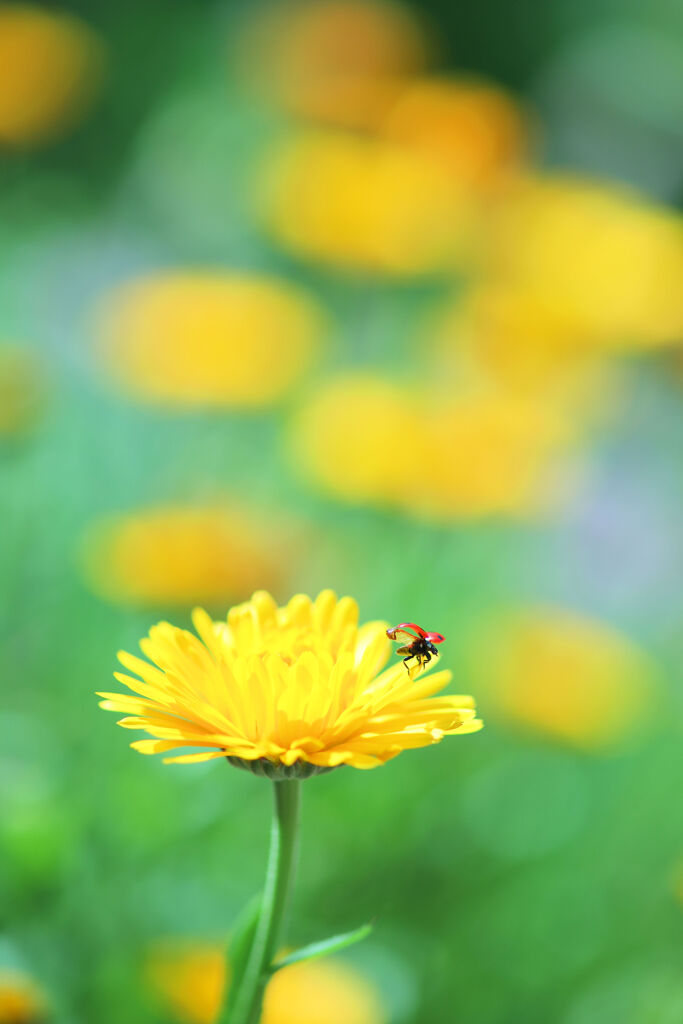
(51, 68)
(208, 338)
(180, 554)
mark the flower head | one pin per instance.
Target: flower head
(20, 1000)
(189, 977)
(176, 554)
(52, 66)
(283, 690)
(322, 992)
(362, 204)
(341, 62)
(214, 338)
(474, 129)
(573, 678)
(514, 341)
(344, 433)
(22, 390)
(498, 450)
(599, 256)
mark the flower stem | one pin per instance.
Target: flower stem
(248, 1000)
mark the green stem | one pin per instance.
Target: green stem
(245, 1008)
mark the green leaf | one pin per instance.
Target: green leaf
(240, 944)
(324, 948)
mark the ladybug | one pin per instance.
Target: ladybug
(417, 643)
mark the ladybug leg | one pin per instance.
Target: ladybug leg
(410, 654)
(424, 658)
(408, 651)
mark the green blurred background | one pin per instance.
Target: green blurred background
(531, 872)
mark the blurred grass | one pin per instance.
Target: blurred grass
(511, 878)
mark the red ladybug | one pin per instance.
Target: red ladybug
(417, 643)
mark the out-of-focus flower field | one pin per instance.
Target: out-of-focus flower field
(387, 298)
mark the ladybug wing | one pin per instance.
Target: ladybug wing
(405, 632)
(435, 638)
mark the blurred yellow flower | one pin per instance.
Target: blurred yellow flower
(208, 338)
(50, 71)
(284, 691)
(178, 554)
(190, 979)
(357, 437)
(474, 129)
(514, 335)
(364, 439)
(22, 389)
(494, 454)
(337, 61)
(569, 676)
(321, 992)
(677, 882)
(599, 256)
(20, 1000)
(513, 341)
(363, 204)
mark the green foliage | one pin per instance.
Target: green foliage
(240, 947)
(326, 947)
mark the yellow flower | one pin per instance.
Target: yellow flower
(321, 992)
(512, 335)
(175, 554)
(474, 129)
(190, 979)
(50, 70)
(284, 691)
(20, 1000)
(515, 342)
(208, 338)
(362, 438)
(363, 203)
(569, 676)
(337, 61)
(355, 436)
(22, 389)
(600, 256)
(676, 879)
(497, 453)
